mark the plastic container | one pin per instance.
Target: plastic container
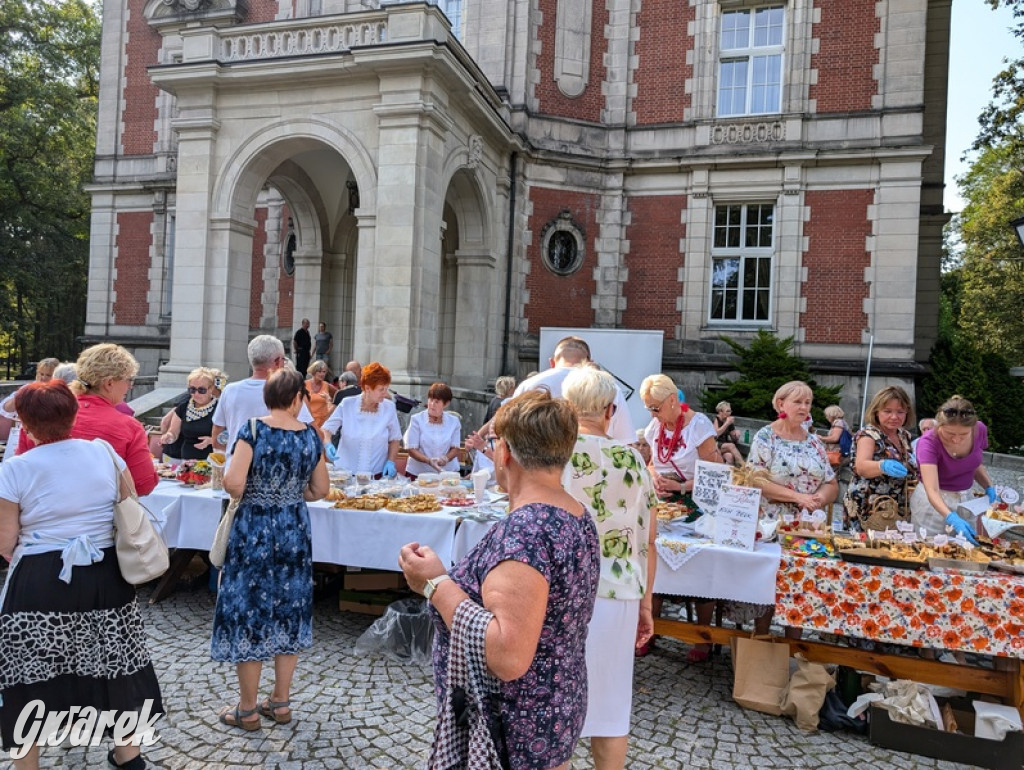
(405, 632)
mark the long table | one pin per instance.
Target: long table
(367, 539)
(951, 611)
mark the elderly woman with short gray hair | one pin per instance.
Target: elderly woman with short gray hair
(610, 479)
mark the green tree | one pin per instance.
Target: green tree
(991, 271)
(50, 52)
(765, 365)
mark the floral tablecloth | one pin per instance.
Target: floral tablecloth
(952, 611)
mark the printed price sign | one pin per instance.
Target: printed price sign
(708, 481)
(736, 517)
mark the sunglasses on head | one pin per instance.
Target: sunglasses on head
(952, 411)
(200, 391)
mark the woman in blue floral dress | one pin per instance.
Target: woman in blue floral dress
(265, 604)
(535, 573)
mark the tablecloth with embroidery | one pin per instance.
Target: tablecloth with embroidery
(981, 613)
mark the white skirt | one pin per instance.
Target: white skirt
(611, 638)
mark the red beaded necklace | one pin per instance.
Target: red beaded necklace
(666, 449)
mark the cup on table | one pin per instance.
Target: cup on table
(480, 479)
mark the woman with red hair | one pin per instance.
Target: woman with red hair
(370, 434)
(70, 630)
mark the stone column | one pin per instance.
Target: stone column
(306, 291)
(475, 318)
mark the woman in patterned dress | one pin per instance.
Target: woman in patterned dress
(801, 475)
(609, 478)
(537, 572)
(70, 629)
(884, 438)
(265, 604)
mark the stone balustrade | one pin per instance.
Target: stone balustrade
(302, 38)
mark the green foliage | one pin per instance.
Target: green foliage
(764, 366)
(50, 51)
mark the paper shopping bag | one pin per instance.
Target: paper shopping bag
(761, 673)
(806, 693)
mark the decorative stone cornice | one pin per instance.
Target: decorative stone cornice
(178, 13)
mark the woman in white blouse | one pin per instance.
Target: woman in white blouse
(434, 435)
(370, 435)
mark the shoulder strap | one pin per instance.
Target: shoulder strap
(121, 481)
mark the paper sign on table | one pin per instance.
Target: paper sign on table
(708, 480)
(736, 517)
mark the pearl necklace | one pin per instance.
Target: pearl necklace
(193, 412)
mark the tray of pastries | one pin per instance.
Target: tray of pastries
(673, 511)
(415, 504)
(363, 502)
(896, 555)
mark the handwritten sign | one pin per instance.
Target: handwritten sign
(708, 480)
(736, 516)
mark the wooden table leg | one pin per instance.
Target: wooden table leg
(179, 560)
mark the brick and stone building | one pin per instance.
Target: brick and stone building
(438, 183)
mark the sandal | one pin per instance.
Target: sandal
(268, 708)
(235, 717)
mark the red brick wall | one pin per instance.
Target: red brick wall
(846, 55)
(551, 101)
(835, 260)
(140, 113)
(134, 239)
(661, 55)
(653, 261)
(262, 10)
(561, 300)
(259, 261)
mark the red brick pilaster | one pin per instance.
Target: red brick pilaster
(653, 286)
(846, 55)
(662, 70)
(132, 263)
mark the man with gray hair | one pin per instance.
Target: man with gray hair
(243, 400)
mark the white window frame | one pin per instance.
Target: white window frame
(751, 54)
(743, 255)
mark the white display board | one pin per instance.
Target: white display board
(628, 354)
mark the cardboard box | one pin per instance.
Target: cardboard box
(362, 608)
(374, 580)
(966, 748)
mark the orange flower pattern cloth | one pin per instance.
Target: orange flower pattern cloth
(952, 611)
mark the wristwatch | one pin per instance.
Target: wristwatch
(432, 584)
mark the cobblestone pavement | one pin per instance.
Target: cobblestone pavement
(377, 713)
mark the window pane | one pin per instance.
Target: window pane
(732, 87)
(727, 227)
(741, 278)
(765, 84)
(735, 29)
(768, 24)
(726, 273)
(761, 313)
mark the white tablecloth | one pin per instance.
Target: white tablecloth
(368, 539)
(716, 572)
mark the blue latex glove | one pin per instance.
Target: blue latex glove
(332, 453)
(993, 497)
(389, 470)
(894, 468)
(961, 527)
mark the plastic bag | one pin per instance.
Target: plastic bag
(404, 632)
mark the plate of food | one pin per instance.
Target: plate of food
(457, 502)
(1016, 566)
(414, 504)
(883, 557)
(363, 503)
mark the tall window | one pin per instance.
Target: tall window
(750, 66)
(453, 10)
(741, 262)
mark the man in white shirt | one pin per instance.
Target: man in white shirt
(923, 426)
(571, 352)
(243, 400)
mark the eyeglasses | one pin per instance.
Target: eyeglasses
(951, 411)
(129, 380)
(614, 406)
(490, 442)
(200, 391)
(656, 409)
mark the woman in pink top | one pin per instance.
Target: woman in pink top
(105, 375)
(950, 459)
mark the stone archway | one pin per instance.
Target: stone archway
(309, 164)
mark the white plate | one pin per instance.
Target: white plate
(1008, 494)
